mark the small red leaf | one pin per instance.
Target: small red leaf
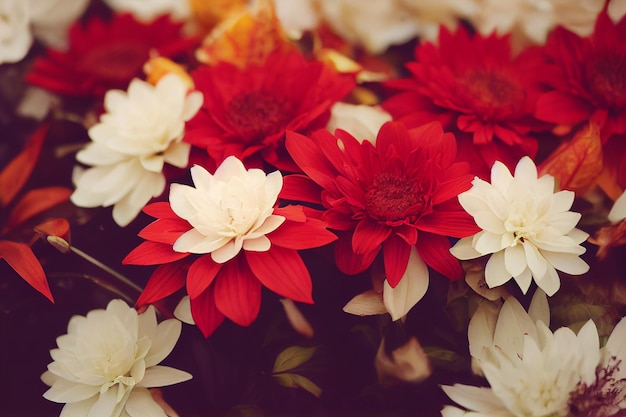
(21, 258)
(35, 202)
(55, 227)
(16, 173)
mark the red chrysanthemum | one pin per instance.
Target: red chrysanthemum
(587, 77)
(247, 111)
(107, 54)
(400, 193)
(477, 89)
(224, 275)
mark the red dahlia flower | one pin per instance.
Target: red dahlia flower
(397, 195)
(476, 89)
(107, 54)
(224, 239)
(588, 80)
(247, 111)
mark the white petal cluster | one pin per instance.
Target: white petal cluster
(108, 359)
(534, 372)
(229, 210)
(46, 20)
(530, 21)
(527, 228)
(148, 10)
(141, 130)
(372, 24)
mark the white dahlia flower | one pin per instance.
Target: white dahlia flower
(141, 130)
(229, 210)
(527, 228)
(108, 359)
(534, 372)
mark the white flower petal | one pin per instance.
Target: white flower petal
(160, 376)
(515, 260)
(464, 250)
(64, 391)
(367, 303)
(163, 342)
(550, 282)
(501, 177)
(259, 244)
(141, 404)
(524, 279)
(410, 289)
(618, 211)
(80, 408)
(193, 241)
(566, 262)
(496, 273)
(539, 310)
(183, 311)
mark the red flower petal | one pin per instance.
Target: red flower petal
(201, 274)
(14, 175)
(562, 108)
(369, 235)
(435, 252)
(307, 235)
(238, 292)
(153, 253)
(300, 188)
(21, 258)
(448, 220)
(164, 281)
(347, 260)
(396, 257)
(205, 313)
(165, 230)
(307, 154)
(282, 271)
(35, 202)
(160, 210)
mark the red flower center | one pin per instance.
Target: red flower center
(118, 62)
(259, 113)
(491, 93)
(607, 79)
(392, 198)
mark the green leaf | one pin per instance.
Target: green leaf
(298, 381)
(292, 357)
(446, 359)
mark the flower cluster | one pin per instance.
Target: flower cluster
(272, 173)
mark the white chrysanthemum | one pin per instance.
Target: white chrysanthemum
(108, 359)
(527, 228)
(46, 20)
(229, 210)
(15, 35)
(148, 10)
(530, 21)
(140, 131)
(534, 372)
(361, 121)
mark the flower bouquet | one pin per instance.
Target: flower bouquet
(311, 207)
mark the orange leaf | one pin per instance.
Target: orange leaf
(55, 227)
(577, 164)
(608, 237)
(21, 258)
(35, 202)
(209, 13)
(246, 38)
(14, 175)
